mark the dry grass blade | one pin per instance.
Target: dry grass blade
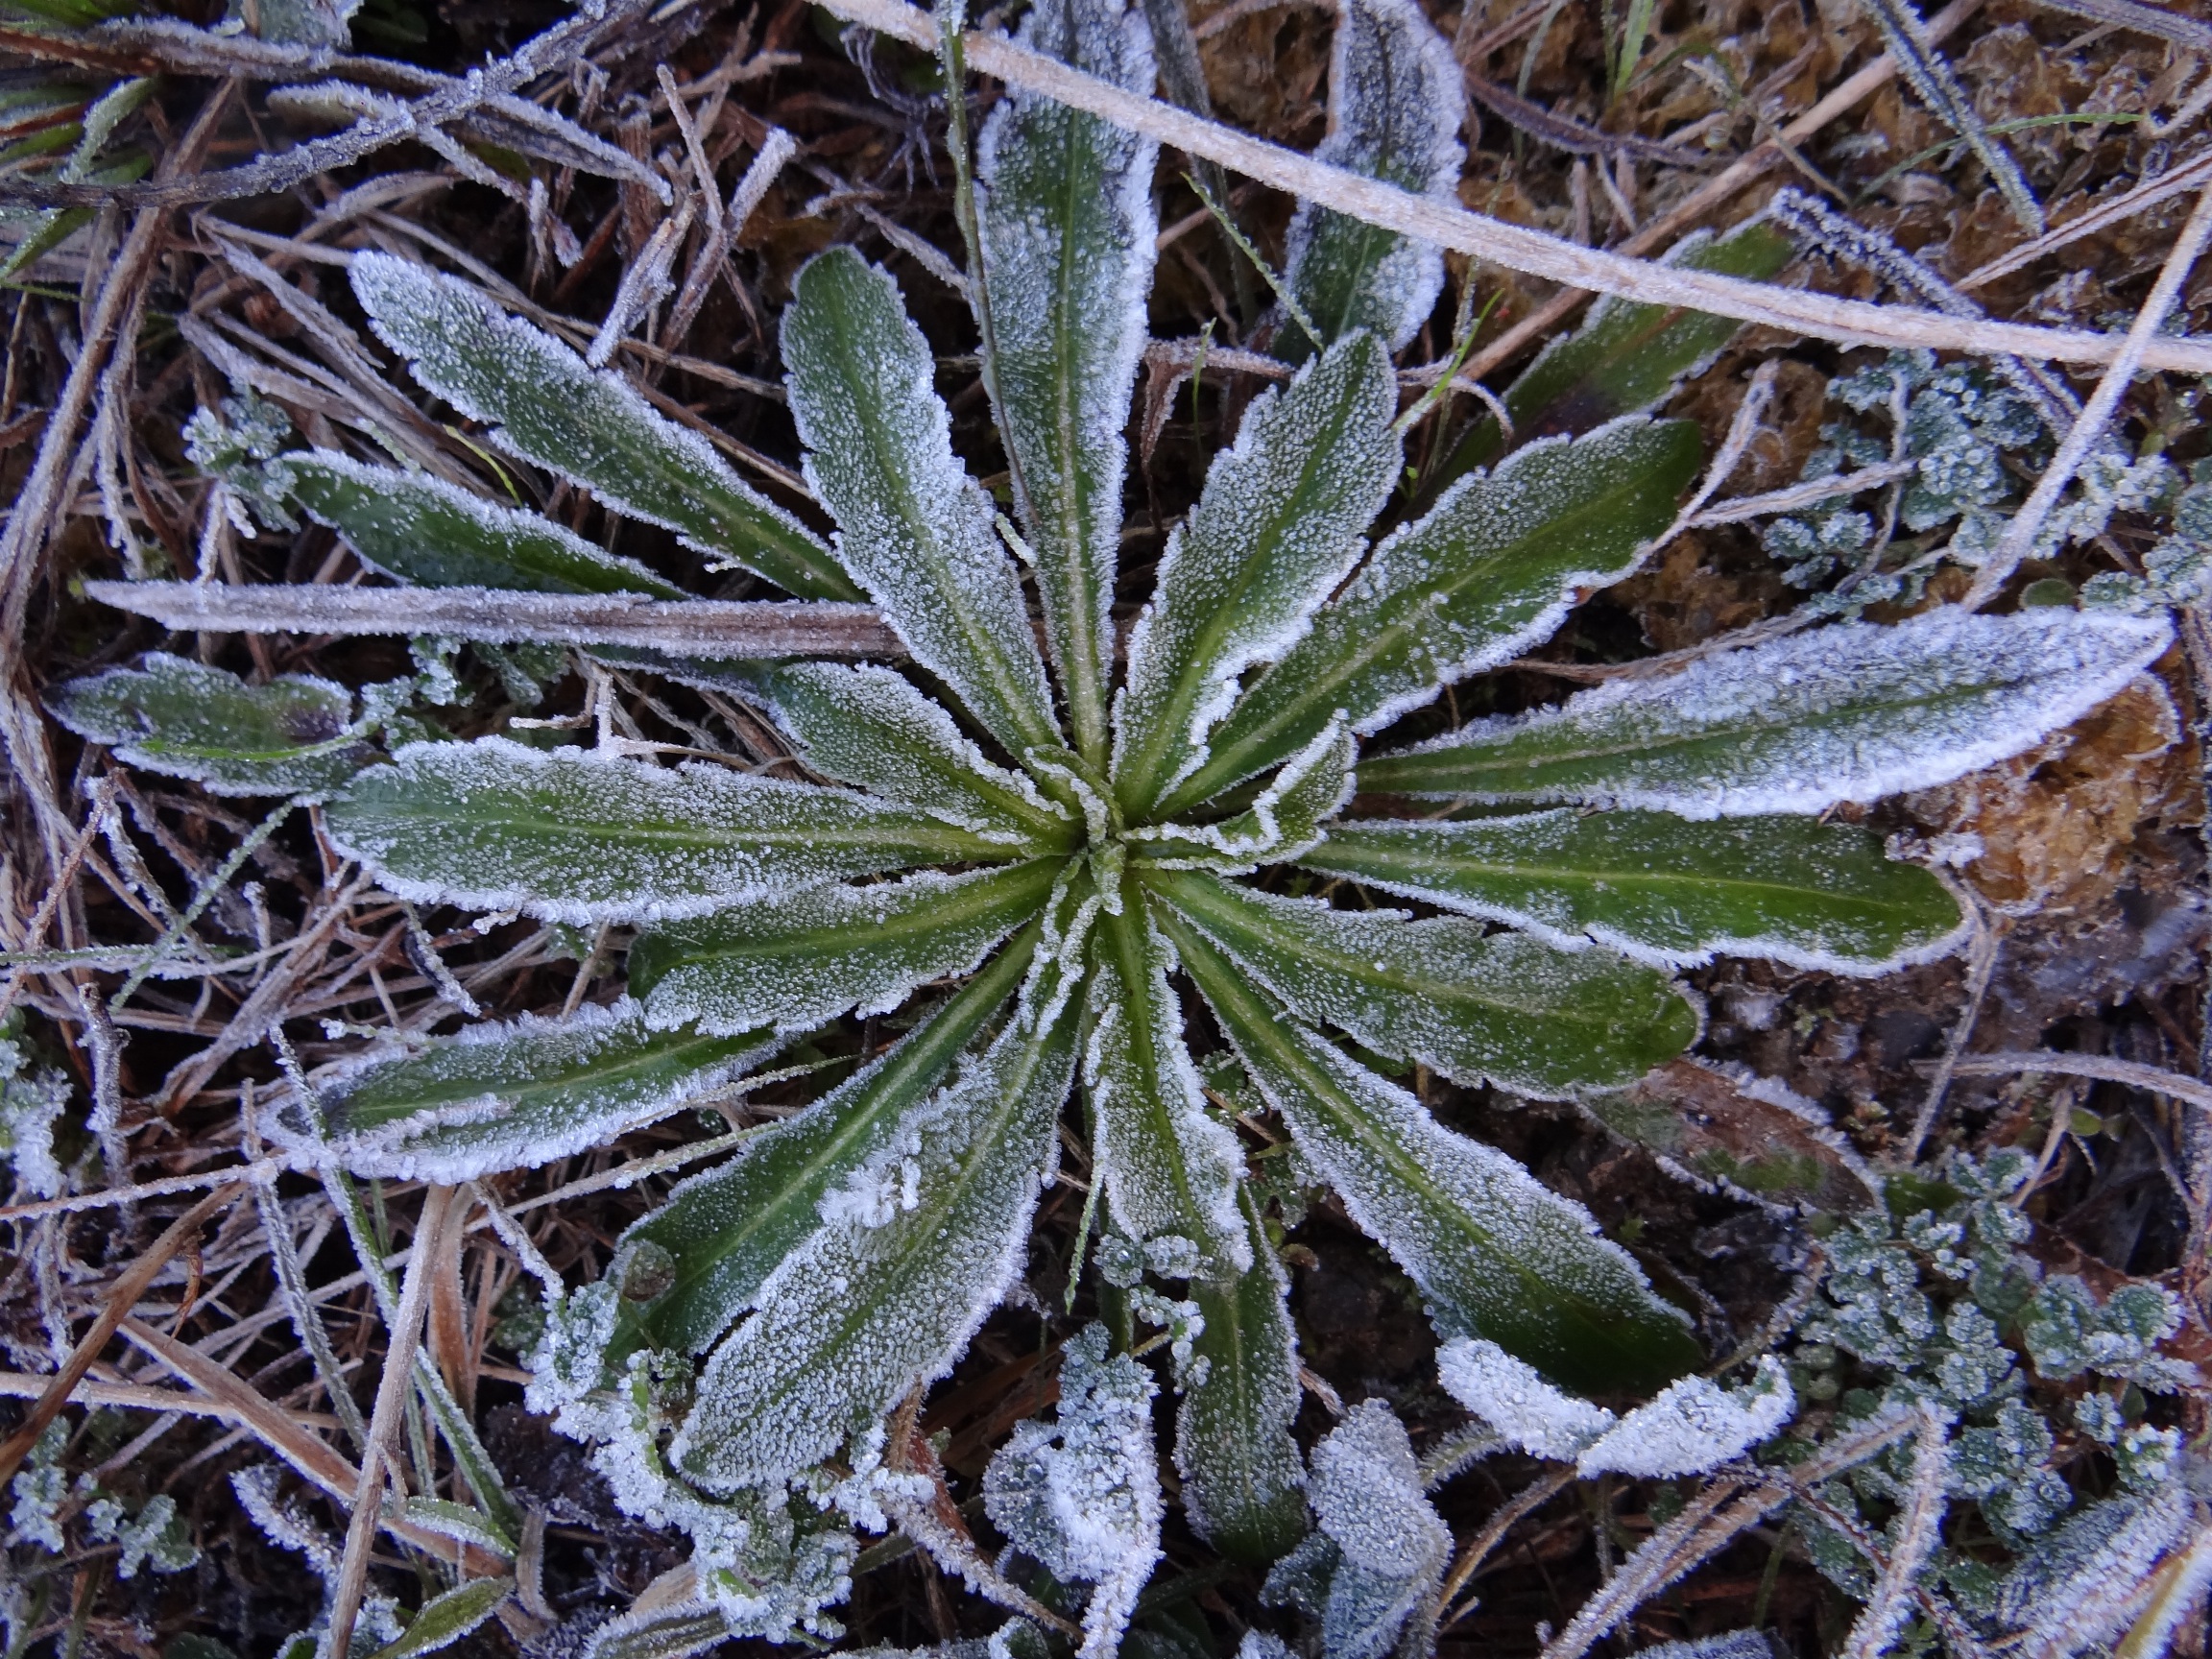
(686, 627)
(2158, 21)
(116, 1309)
(1931, 78)
(1917, 1535)
(2187, 176)
(2157, 1080)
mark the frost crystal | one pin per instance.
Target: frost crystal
(1082, 1495)
(30, 1103)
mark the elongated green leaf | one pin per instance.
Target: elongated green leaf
(1396, 103)
(1444, 991)
(912, 526)
(1169, 1170)
(571, 836)
(422, 528)
(1491, 572)
(1064, 202)
(1282, 821)
(1496, 1252)
(471, 1460)
(915, 1250)
(673, 1631)
(796, 962)
(445, 1619)
(291, 736)
(726, 1229)
(548, 407)
(516, 1094)
(1662, 890)
(1276, 528)
(1847, 713)
(868, 725)
(1233, 1445)
(1625, 356)
(458, 1521)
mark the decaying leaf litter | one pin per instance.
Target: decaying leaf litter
(1960, 1416)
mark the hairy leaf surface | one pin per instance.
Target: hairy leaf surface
(422, 528)
(796, 962)
(1470, 1004)
(1234, 1449)
(1284, 820)
(1169, 1170)
(1492, 570)
(517, 1095)
(915, 1250)
(1276, 528)
(1797, 725)
(868, 726)
(573, 836)
(726, 1229)
(1660, 889)
(1496, 1252)
(1065, 207)
(912, 526)
(1396, 102)
(172, 716)
(551, 409)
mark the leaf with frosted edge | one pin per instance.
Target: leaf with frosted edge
(1396, 103)
(1169, 1170)
(1851, 712)
(1625, 356)
(1240, 1468)
(726, 1229)
(1694, 1425)
(1282, 822)
(1445, 992)
(548, 407)
(1660, 889)
(916, 1248)
(1275, 529)
(912, 526)
(797, 962)
(573, 836)
(291, 736)
(445, 1619)
(422, 528)
(868, 726)
(1490, 572)
(1081, 1496)
(516, 1095)
(1064, 204)
(672, 1631)
(1496, 1252)
(1511, 1396)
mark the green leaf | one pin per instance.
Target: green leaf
(1491, 572)
(912, 526)
(1276, 528)
(868, 725)
(797, 962)
(1282, 822)
(1396, 103)
(517, 1095)
(1662, 890)
(422, 528)
(1445, 992)
(1495, 1252)
(915, 1249)
(471, 1460)
(448, 1617)
(1851, 712)
(1169, 1170)
(458, 1521)
(670, 1631)
(728, 1228)
(292, 736)
(1625, 356)
(587, 426)
(1234, 1449)
(1065, 210)
(573, 836)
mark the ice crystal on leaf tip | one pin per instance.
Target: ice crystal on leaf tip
(1091, 864)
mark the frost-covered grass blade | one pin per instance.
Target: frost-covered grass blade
(1662, 889)
(1848, 713)
(573, 836)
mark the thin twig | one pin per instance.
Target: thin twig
(1917, 1535)
(1987, 942)
(2156, 1079)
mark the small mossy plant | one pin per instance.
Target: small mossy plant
(1049, 852)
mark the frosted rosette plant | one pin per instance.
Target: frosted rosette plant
(1083, 850)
